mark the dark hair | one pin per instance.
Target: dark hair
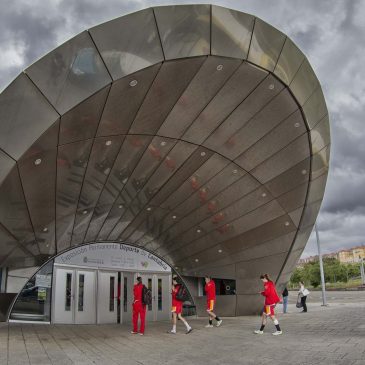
(208, 277)
(139, 279)
(265, 276)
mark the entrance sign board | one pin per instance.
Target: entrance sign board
(113, 256)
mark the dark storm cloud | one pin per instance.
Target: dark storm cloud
(330, 32)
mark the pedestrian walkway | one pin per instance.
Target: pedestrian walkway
(331, 335)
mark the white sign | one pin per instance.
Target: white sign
(113, 256)
(43, 281)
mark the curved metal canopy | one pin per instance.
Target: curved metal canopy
(198, 132)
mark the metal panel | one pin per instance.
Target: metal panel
(169, 84)
(190, 243)
(223, 138)
(231, 32)
(175, 158)
(14, 215)
(101, 160)
(316, 189)
(310, 214)
(266, 45)
(315, 108)
(70, 73)
(320, 135)
(304, 83)
(6, 164)
(290, 178)
(24, 115)
(296, 216)
(124, 100)
(82, 121)
(184, 30)
(288, 157)
(203, 87)
(320, 162)
(71, 165)
(239, 86)
(37, 169)
(129, 43)
(291, 57)
(274, 141)
(279, 108)
(294, 198)
(250, 272)
(8, 244)
(129, 155)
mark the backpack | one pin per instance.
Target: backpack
(146, 296)
(182, 295)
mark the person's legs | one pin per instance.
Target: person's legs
(285, 304)
(276, 323)
(142, 314)
(303, 300)
(183, 320)
(173, 322)
(263, 323)
(135, 319)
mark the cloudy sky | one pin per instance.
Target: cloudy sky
(330, 32)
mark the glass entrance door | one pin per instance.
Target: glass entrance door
(163, 297)
(108, 297)
(74, 296)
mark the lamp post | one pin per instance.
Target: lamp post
(324, 300)
(362, 271)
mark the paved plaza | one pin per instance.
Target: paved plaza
(331, 335)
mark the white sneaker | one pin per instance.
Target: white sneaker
(258, 332)
(133, 333)
(276, 333)
(209, 326)
(188, 331)
(219, 323)
(172, 332)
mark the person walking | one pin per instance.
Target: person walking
(139, 309)
(177, 308)
(211, 298)
(271, 299)
(303, 293)
(285, 295)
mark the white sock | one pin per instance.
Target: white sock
(186, 324)
(174, 328)
(276, 322)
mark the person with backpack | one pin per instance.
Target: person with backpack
(139, 307)
(271, 299)
(211, 297)
(179, 295)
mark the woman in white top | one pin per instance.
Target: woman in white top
(303, 292)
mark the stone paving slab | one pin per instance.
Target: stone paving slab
(325, 335)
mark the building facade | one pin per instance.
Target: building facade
(196, 133)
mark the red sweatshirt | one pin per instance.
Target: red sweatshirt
(137, 292)
(270, 294)
(210, 290)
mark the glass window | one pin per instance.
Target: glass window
(34, 301)
(149, 286)
(81, 292)
(68, 292)
(159, 287)
(111, 294)
(125, 293)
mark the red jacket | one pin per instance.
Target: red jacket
(270, 294)
(137, 292)
(174, 292)
(210, 290)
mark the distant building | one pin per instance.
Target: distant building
(351, 255)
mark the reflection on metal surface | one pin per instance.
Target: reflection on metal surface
(198, 132)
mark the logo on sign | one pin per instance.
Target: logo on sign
(144, 264)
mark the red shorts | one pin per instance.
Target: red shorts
(269, 310)
(210, 305)
(177, 307)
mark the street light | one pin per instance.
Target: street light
(362, 270)
(324, 300)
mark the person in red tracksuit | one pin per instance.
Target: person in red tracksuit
(177, 308)
(138, 307)
(271, 299)
(210, 292)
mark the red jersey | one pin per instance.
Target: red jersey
(137, 292)
(210, 290)
(270, 294)
(174, 292)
